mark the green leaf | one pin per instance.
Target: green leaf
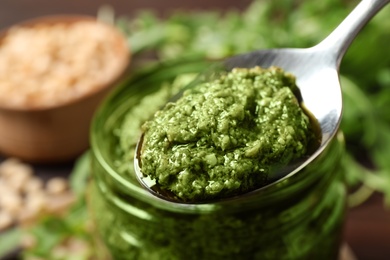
(9, 241)
(360, 118)
(81, 172)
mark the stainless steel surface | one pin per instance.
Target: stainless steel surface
(316, 70)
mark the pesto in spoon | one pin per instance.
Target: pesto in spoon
(316, 72)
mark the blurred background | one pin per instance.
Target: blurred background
(15, 11)
(239, 26)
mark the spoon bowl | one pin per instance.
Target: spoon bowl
(317, 76)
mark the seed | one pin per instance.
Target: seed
(12, 166)
(28, 216)
(36, 200)
(6, 220)
(11, 203)
(56, 185)
(58, 204)
(33, 185)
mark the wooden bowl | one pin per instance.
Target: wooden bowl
(60, 131)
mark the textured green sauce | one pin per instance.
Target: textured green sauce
(225, 137)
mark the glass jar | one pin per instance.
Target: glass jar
(300, 217)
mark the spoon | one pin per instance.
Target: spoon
(316, 72)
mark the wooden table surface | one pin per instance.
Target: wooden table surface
(367, 229)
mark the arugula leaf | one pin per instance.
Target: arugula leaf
(55, 231)
(10, 240)
(80, 174)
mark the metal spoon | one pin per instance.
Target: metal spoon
(316, 70)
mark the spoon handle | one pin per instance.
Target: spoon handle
(337, 43)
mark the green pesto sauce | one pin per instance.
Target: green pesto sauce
(225, 137)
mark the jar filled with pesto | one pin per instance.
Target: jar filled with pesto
(300, 217)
